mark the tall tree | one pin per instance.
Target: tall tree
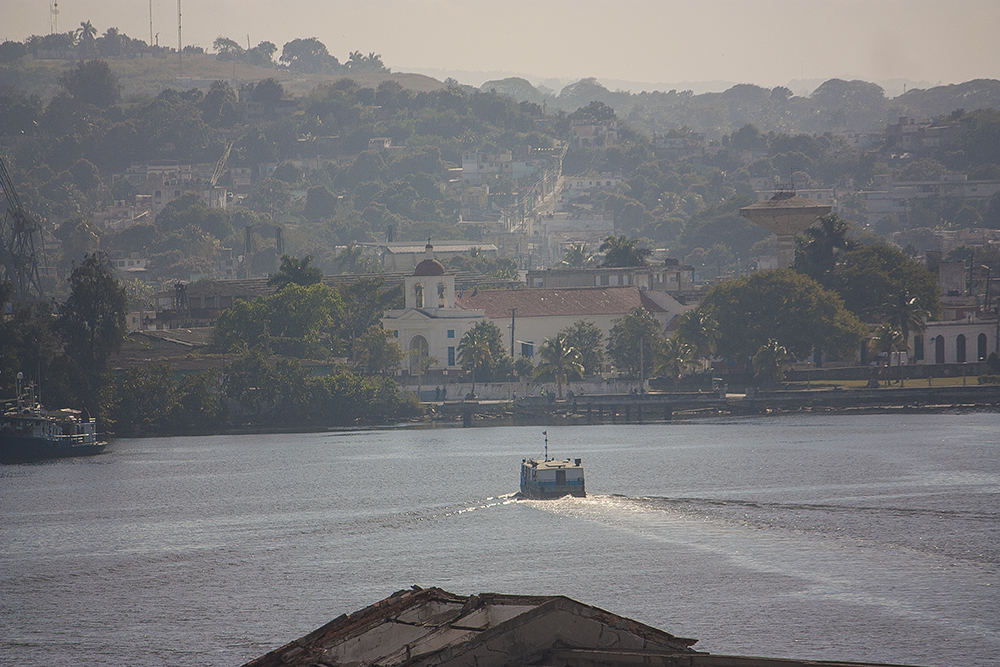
(623, 251)
(92, 324)
(633, 340)
(86, 35)
(295, 271)
(700, 331)
(588, 339)
(672, 356)
(770, 361)
(92, 82)
(559, 360)
(474, 352)
(92, 321)
(870, 278)
(783, 305)
(577, 256)
(819, 245)
(888, 339)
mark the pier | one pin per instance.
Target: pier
(666, 406)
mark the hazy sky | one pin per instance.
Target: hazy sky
(767, 42)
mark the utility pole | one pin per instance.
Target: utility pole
(512, 311)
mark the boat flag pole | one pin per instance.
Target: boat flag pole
(546, 434)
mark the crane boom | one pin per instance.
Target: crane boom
(18, 254)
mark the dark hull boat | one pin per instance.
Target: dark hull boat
(29, 433)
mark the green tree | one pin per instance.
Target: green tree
(86, 35)
(870, 279)
(481, 349)
(770, 362)
(588, 339)
(819, 246)
(781, 304)
(308, 55)
(906, 316)
(321, 204)
(243, 326)
(92, 82)
(365, 301)
(577, 256)
(262, 55)
(887, 339)
(227, 49)
(200, 405)
(672, 357)
(218, 107)
(524, 367)
(700, 331)
(623, 251)
(354, 260)
(558, 360)
(144, 398)
(92, 321)
(376, 351)
(633, 340)
(294, 271)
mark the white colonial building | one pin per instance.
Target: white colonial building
(434, 317)
(956, 342)
(430, 325)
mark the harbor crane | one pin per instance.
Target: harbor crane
(21, 246)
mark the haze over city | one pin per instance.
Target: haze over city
(633, 44)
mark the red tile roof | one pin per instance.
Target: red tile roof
(572, 301)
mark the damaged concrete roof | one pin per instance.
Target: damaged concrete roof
(434, 628)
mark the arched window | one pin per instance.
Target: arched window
(440, 295)
(418, 292)
(960, 349)
(419, 353)
(939, 350)
(918, 348)
(981, 347)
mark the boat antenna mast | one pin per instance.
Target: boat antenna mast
(546, 434)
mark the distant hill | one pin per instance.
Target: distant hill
(835, 105)
(148, 76)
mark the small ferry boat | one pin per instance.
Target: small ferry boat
(548, 478)
(30, 433)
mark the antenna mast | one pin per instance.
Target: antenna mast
(53, 17)
(180, 44)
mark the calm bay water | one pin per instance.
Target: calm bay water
(857, 538)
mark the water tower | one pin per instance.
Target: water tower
(785, 215)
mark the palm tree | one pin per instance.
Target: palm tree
(559, 360)
(672, 357)
(770, 362)
(906, 315)
(888, 338)
(85, 35)
(699, 330)
(474, 352)
(623, 251)
(819, 244)
(577, 256)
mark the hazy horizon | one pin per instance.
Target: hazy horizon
(708, 45)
